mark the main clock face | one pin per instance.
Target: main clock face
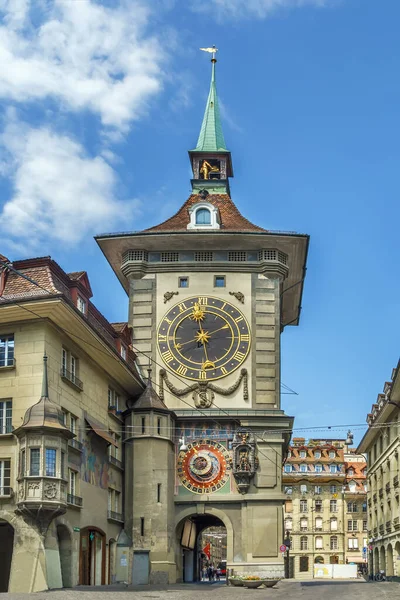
(203, 338)
(204, 466)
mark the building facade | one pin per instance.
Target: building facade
(381, 444)
(61, 430)
(325, 508)
(210, 293)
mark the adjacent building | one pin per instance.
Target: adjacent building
(381, 443)
(61, 430)
(325, 508)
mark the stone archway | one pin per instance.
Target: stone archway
(6, 553)
(389, 562)
(376, 561)
(397, 553)
(382, 559)
(92, 556)
(187, 560)
(65, 551)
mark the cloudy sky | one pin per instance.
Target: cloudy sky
(100, 101)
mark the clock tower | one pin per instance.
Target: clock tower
(209, 296)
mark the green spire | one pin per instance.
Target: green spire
(211, 138)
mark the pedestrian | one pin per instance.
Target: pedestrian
(210, 572)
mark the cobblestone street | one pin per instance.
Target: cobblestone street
(312, 590)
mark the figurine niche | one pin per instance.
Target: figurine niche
(244, 460)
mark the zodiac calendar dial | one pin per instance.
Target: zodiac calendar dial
(203, 338)
(204, 466)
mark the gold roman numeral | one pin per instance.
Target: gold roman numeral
(182, 307)
(162, 338)
(167, 321)
(238, 319)
(223, 306)
(203, 300)
(239, 356)
(245, 338)
(167, 356)
(224, 371)
(181, 370)
(202, 375)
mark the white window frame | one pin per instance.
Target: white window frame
(318, 468)
(4, 477)
(332, 454)
(72, 482)
(334, 542)
(333, 524)
(317, 454)
(5, 416)
(288, 468)
(214, 216)
(6, 339)
(319, 542)
(352, 543)
(303, 454)
(303, 468)
(303, 542)
(81, 304)
(288, 524)
(319, 523)
(333, 506)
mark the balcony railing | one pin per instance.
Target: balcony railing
(76, 444)
(74, 500)
(115, 516)
(388, 525)
(71, 378)
(353, 549)
(381, 529)
(396, 522)
(115, 461)
(396, 481)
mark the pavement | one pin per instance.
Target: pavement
(287, 589)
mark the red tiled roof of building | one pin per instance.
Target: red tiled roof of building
(55, 282)
(229, 216)
(359, 469)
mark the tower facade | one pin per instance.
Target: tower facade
(210, 293)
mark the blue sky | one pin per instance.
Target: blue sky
(100, 102)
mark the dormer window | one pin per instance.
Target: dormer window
(203, 215)
(81, 305)
(303, 454)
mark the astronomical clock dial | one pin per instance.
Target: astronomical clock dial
(204, 466)
(203, 338)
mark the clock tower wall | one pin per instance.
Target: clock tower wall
(200, 285)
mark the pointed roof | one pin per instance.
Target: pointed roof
(229, 216)
(45, 413)
(149, 399)
(211, 138)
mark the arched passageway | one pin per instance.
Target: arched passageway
(389, 561)
(92, 557)
(376, 561)
(202, 543)
(382, 559)
(6, 553)
(65, 551)
(397, 553)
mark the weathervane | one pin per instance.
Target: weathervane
(212, 51)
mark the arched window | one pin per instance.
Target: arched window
(303, 542)
(203, 216)
(319, 560)
(334, 524)
(319, 542)
(317, 454)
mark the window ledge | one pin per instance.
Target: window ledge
(115, 414)
(74, 501)
(115, 517)
(9, 434)
(115, 462)
(7, 367)
(75, 386)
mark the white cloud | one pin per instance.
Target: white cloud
(60, 193)
(254, 8)
(83, 54)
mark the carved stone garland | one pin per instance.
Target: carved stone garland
(203, 392)
(244, 459)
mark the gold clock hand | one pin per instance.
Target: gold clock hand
(215, 330)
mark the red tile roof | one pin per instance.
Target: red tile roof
(55, 282)
(229, 216)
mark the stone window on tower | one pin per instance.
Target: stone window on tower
(219, 281)
(203, 215)
(183, 282)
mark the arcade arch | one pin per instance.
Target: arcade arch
(6, 553)
(188, 530)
